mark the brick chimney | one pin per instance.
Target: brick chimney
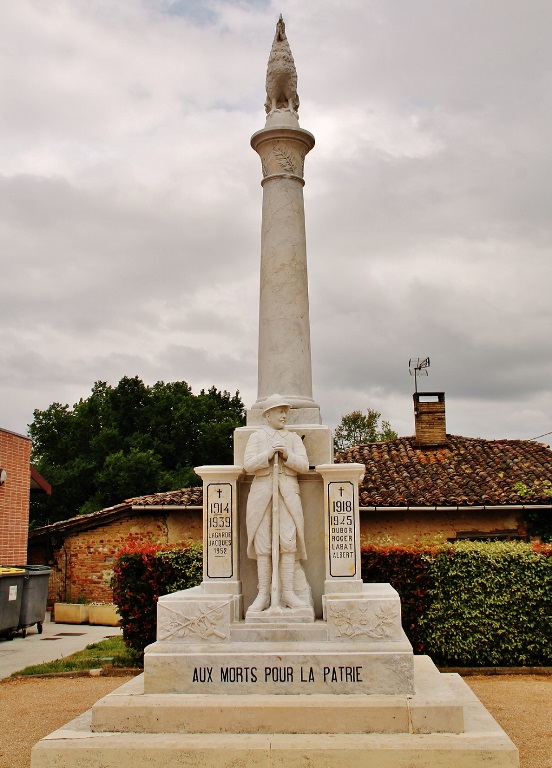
(429, 418)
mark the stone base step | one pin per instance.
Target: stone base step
(278, 615)
(433, 708)
(482, 743)
(278, 632)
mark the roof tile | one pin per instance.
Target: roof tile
(467, 471)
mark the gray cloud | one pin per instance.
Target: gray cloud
(130, 201)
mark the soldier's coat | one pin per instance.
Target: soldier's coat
(259, 502)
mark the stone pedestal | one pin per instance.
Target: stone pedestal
(203, 648)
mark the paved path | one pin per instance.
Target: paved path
(56, 641)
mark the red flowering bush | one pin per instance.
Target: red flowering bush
(141, 575)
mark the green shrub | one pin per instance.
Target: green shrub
(141, 575)
(490, 604)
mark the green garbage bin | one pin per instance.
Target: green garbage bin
(35, 597)
(11, 596)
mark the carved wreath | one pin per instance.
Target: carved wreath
(355, 622)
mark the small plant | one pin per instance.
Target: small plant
(523, 490)
(111, 652)
(538, 488)
(82, 600)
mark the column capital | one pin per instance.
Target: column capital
(282, 151)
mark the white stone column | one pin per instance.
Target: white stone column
(284, 363)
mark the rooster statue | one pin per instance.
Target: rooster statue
(281, 75)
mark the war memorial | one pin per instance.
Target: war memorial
(282, 656)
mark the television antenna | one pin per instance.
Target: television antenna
(418, 366)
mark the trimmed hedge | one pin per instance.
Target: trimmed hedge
(471, 603)
(141, 575)
(491, 605)
(467, 604)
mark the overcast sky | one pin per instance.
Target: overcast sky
(130, 201)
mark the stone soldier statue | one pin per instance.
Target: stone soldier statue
(275, 526)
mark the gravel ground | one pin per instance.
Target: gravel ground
(522, 704)
(33, 707)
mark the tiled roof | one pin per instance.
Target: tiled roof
(183, 497)
(465, 472)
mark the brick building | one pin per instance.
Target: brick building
(81, 550)
(17, 481)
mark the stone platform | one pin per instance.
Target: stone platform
(443, 726)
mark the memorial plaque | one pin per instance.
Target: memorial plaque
(341, 528)
(220, 538)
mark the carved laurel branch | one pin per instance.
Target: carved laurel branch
(355, 622)
(285, 159)
(202, 624)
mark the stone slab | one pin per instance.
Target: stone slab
(279, 614)
(482, 743)
(372, 614)
(280, 668)
(203, 613)
(132, 711)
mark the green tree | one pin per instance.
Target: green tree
(357, 428)
(128, 440)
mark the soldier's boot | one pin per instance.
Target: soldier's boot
(264, 574)
(287, 572)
